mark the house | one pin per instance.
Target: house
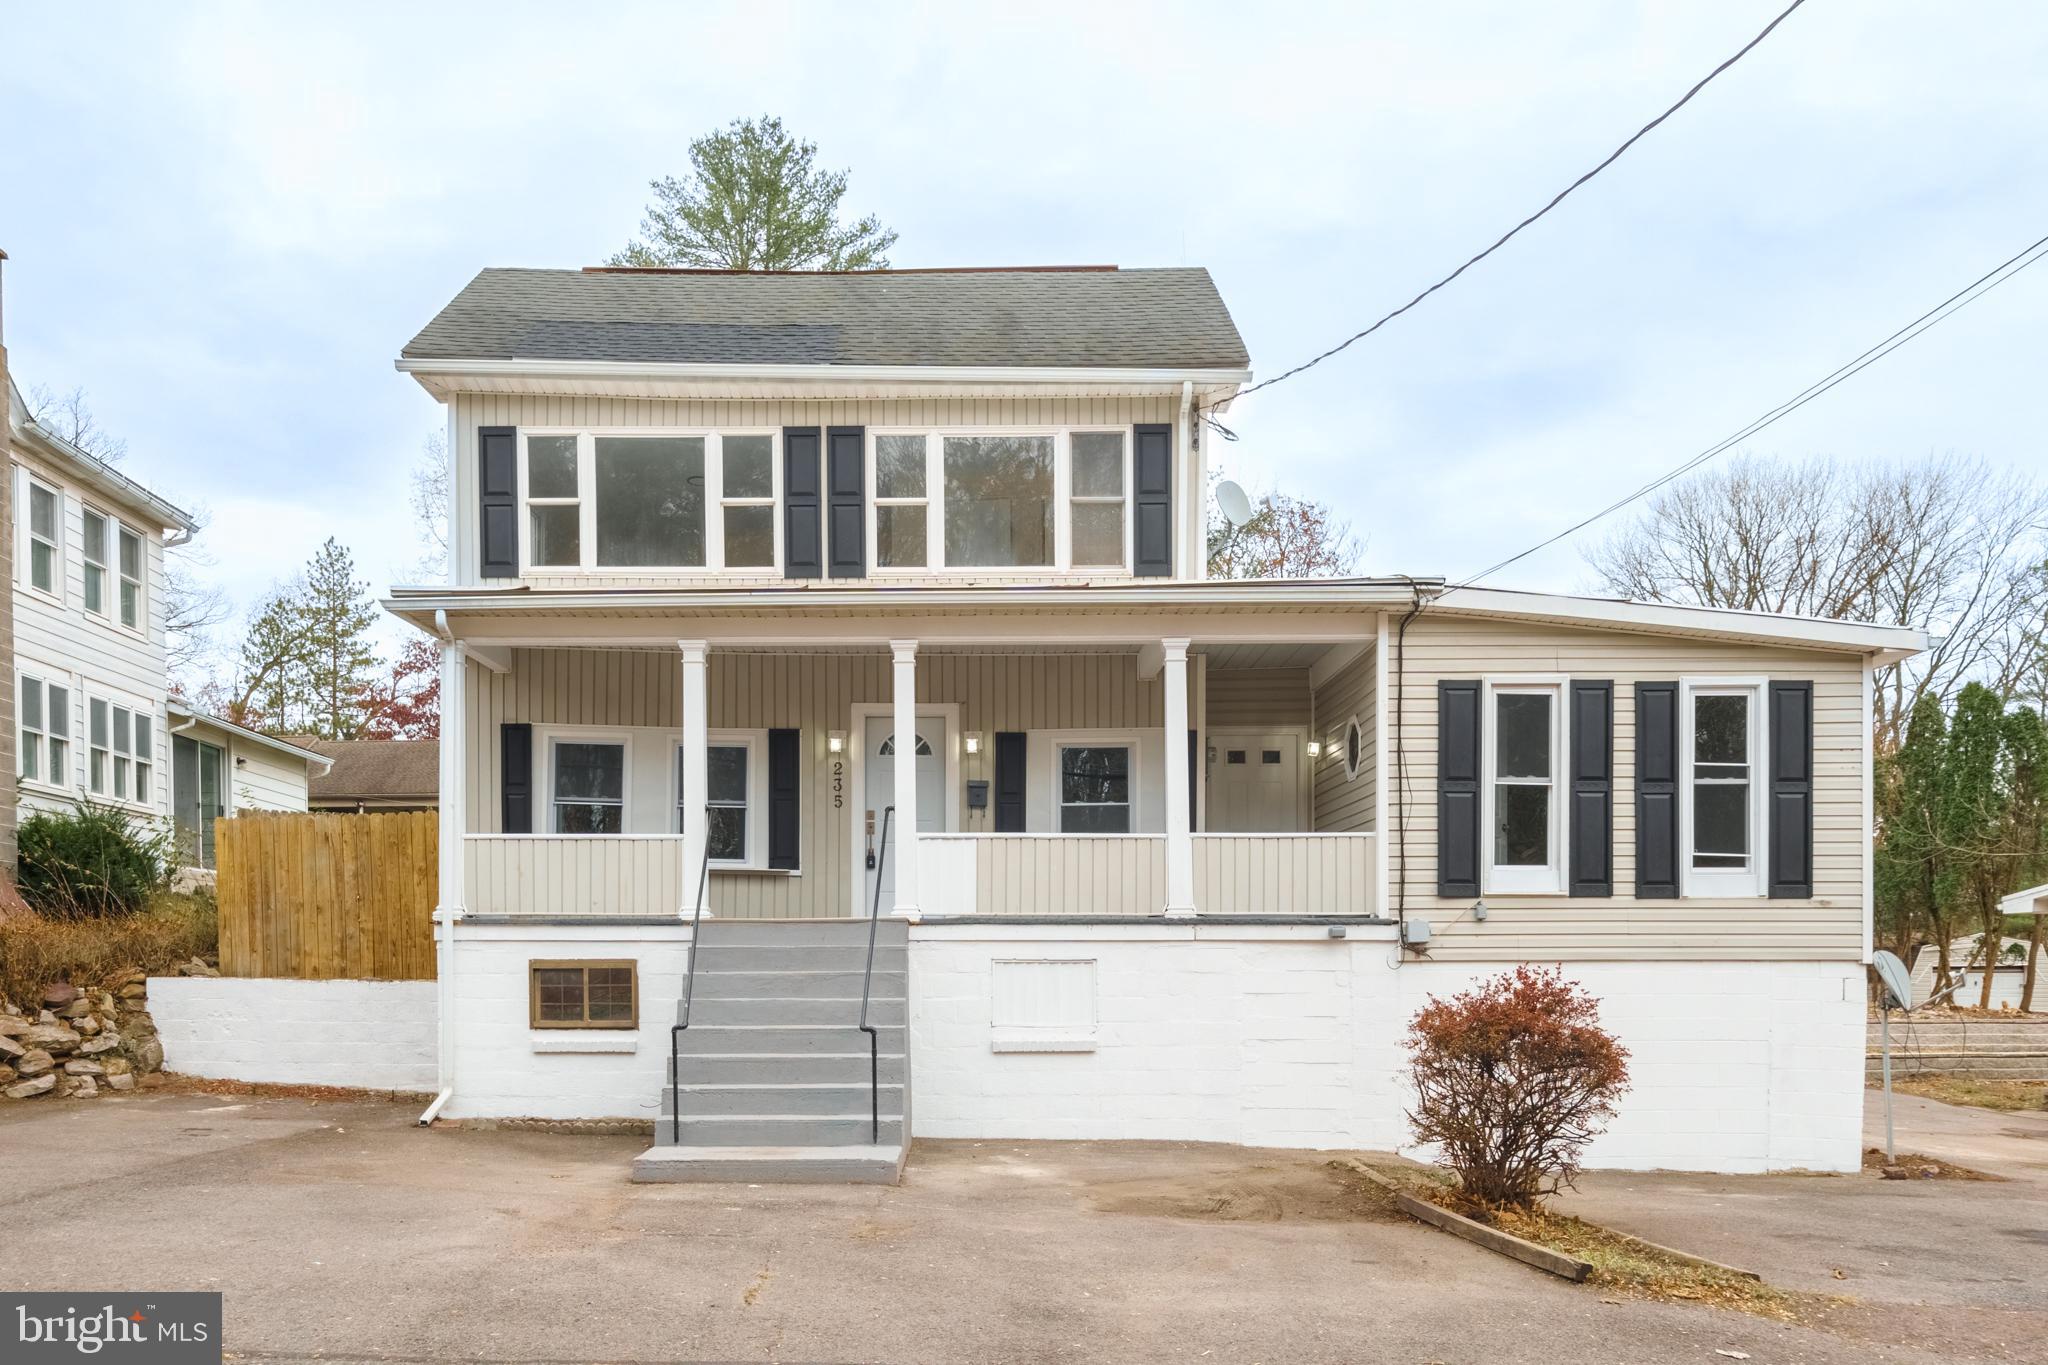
(90, 690)
(219, 768)
(365, 775)
(1966, 962)
(793, 598)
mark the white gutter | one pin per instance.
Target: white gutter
(899, 374)
(1888, 643)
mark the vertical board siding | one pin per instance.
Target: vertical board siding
(326, 897)
(1043, 874)
(1344, 804)
(1824, 926)
(1258, 698)
(471, 411)
(1284, 874)
(570, 876)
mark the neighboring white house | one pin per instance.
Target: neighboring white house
(743, 563)
(219, 769)
(89, 664)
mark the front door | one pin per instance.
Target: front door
(879, 756)
(1255, 783)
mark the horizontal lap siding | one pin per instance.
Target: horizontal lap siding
(812, 693)
(1828, 926)
(518, 410)
(1344, 804)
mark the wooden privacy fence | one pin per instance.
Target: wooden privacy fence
(327, 896)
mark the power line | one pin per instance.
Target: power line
(1942, 311)
(1612, 157)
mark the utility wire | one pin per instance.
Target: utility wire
(1612, 157)
(1942, 311)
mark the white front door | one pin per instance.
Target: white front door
(1255, 783)
(878, 762)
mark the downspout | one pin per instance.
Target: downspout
(444, 963)
(1401, 776)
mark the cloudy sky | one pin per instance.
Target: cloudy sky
(225, 220)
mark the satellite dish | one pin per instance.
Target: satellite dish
(1898, 982)
(1231, 501)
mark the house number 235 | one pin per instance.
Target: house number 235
(838, 784)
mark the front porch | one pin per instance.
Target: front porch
(1044, 777)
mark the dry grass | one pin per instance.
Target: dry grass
(37, 949)
(2008, 1097)
(1623, 1265)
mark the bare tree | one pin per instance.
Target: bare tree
(69, 417)
(429, 498)
(1287, 537)
(1945, 544)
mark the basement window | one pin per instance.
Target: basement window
(583, 995)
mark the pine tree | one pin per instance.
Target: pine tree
(336, 614)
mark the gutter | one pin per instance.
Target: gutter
(940, 374)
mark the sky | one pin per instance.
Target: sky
(225, 220)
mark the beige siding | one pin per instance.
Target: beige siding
(537, 875)
(1256, 698)
(1343, 803)
(1284, 874)
(814, 693)
(470, 411)
(1061, 875)
(1829, 926)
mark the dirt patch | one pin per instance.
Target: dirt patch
(1915, 1166)
(1313, 1191)
(2007, 1097)
(176, 1084)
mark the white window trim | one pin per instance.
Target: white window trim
(1723, 883)
(567, 734)
(108, 576)
(935, 504)
(85, 746)
(714, 503)
(1073, 499)
(26, 537)
(1550, 879)
(120, 579)
(755, 742)
(46, 679)
(1096, 739)
(929, 502)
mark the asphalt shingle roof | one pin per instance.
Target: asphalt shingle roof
(1145, 319)
(376, 769)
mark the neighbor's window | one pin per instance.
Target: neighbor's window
(1523, 816)
(131, 579)
(1096, 499)
(902, 502)
(45, 732)
(589, 782)
(1722, 746)
(43, 560)
(583, 995)
(747, 499)
(119, 752)
(553, 502)
(999, 500)
(95, 550)
(727, 771)
(1095, 788)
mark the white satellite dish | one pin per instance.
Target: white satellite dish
(1898, 982)
(1231, 501)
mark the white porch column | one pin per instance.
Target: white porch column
(451, 897)
(696, 775)
(903, 834)
(1180, 840)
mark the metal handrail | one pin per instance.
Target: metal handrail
(675, 1032)
(867, 987)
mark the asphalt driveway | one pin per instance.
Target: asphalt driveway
(340, 1231)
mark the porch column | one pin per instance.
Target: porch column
(696, 775)
(903, 833)
(1180, 840)
(451, 896)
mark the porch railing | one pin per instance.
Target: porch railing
(1284, 874)
(568, 875)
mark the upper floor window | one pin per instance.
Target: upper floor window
(686, 501)
(45, 514)
(1099, 477)
(1524, 816)
(1000, 500)
(1721, 740)
(131, 579)
(95, 552)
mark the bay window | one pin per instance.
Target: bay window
(1721, 741)
(1095, 788)
(1523, 814)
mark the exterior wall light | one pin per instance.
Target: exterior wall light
(973, 741)
(1315, 748)
(835, 742)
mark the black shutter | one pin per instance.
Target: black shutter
(1152, 506)
(1791, 790)
(1457, 788)
(784, 766)
(1656, 790)
(515, 779)
(497, 482)
(845, 508)
(803, 554)
(1010, 764)
(1592, 789)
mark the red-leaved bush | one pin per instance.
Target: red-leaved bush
(1512, 1079)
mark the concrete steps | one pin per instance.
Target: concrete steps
(772, 1074)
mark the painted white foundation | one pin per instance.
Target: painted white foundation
(373, 1035)
(1282, 1036)
(505, 1069)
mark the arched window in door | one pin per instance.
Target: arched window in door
(888, 749)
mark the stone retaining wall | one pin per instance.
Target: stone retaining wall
(77, 1044)
(1988, 1049)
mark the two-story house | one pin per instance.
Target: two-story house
(778, 601)
(89, 672)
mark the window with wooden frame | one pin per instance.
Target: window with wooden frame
(572, 994)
